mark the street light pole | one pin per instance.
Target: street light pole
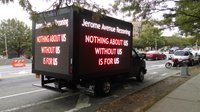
(156, 45)
(6, 45)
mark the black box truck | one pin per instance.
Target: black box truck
(81, 49)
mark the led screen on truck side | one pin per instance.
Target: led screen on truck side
(105, 45)
(51, 48)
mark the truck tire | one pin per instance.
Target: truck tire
(102, 87)
(140, 76)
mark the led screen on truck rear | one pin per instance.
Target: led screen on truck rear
(105, 45)
(51, 47)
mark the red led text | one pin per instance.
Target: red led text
(108, 51)
(108, 61)
(103, 40)
(50, 61)
(50, 50)
(51, 38)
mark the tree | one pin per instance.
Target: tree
(6, 1)
(186, 17)
(17, 35)
(142, 9)
(57, 4)
(183, 14)
(151, 36)
(179, 41)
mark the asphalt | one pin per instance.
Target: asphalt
(185, 98)
(15, 73)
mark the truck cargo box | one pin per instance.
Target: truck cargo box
(73, 44)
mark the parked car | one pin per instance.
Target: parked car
(173, 49)
(155, 55)
(187, 56)
(188, 49)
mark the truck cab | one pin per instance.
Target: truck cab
(138, 66)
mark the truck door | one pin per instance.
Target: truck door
(135, 63)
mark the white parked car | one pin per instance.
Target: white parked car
(185, 55)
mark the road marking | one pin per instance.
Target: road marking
(151, 77)
(16, 75)
(82, 102)
(38, 103)
(16, 72)
(19, 94)
(163, 74)
(22, 72)
(153, 73)
(153, 67)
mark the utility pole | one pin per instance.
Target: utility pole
(6, 48)
(156, 44)
(196, 43)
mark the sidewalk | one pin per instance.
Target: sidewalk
(185, 98)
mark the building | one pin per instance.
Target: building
(137, 28)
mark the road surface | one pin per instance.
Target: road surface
(19, 95)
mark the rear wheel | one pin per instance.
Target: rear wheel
(103, 87)
(140, 76)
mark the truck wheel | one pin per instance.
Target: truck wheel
(103, 88)
(57, 85)
(140, 76)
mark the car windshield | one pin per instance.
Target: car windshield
(181, 53)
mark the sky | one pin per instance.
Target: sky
(13, 10)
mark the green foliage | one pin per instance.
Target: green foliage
(184, 14)
(17, 34)
(138, 8)
(179, 41)
(187, 16)
(138, 43)
(166, 41)
(6, 1)
(150, 36)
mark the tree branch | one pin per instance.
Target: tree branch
(190, 15)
